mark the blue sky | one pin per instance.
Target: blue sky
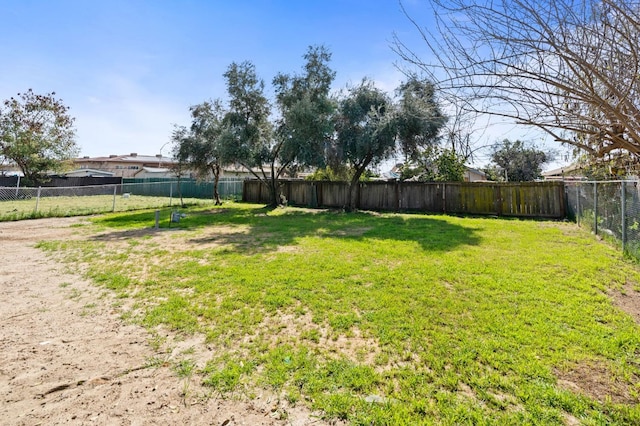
(129, 70)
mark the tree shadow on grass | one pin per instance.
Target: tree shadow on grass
(257, 229)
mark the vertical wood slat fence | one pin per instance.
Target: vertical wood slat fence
(518, 199)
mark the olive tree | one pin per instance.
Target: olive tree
(518, 162)
(298, 138)
(371, 127)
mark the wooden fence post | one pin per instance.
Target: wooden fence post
(623, 197)
(444, 197)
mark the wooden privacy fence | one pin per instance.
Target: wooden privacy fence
(521, 199)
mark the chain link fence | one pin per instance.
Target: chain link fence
(25, 202)
(610, 209)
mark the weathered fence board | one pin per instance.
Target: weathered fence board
(526, 199)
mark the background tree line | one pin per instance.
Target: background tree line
(306, 126)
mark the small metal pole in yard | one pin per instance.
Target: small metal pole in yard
(18, 186)
(157, 219)
(595, 208)
(623, 197)
(38, 198)
(115, 189)
(170, 193)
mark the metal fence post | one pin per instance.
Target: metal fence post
(623, 197)
(18, 186)
(578, 203)
(595, 208)
(113, 206)
(170, 193)
(38, 199)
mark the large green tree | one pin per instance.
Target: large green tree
(366, 132)
(37, 133)
(519, 162)
(435, 164)
(305, 127)
(248, 139)
(419, 116)
(300, 135)
(371, 128)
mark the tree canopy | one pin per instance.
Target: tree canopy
(435, 164)
(370, 127)
(306, 108)
(518, 162)
(201, 146)
(37, 133)
(568, 68)
(309, 127)
(298, 138)
(366, 131)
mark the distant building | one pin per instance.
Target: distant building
(470, 174)
(124, 165)
(147, 166)
(570, 172)
(154, 172)
(88, 173)
(9, 168)
(474, 175)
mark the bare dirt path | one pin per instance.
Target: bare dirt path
(66, 357)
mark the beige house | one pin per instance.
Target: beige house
(10, 169)
(571, 172)
(124, 165)
(148, 166)
(474, 175)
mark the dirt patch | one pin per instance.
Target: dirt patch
(628, 299)
(595, 381)
(284, 328)
(66, 357)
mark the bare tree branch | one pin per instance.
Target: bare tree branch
(568, 67)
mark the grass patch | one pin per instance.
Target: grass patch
(386, 318)
(66, 206)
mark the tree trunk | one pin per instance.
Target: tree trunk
(354, 191)
(216, 179)
(354, 188)
(273, 192)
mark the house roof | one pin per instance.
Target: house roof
(561, 170)
(476, 171)
(88, 172)
(154, 170)
(129, 158)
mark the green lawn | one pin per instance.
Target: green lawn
(386, 318)
(83, 205)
